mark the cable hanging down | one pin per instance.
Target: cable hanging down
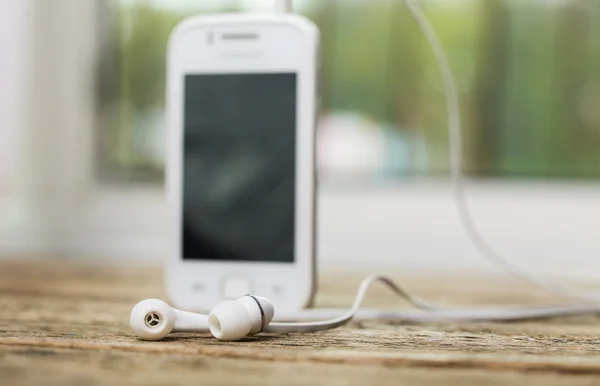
(305, 320)
(458, 190)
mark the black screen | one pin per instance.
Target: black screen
(239, 167)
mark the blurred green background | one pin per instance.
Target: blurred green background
(528, 74)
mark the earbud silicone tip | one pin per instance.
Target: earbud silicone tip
(152, 319)
(229, 320)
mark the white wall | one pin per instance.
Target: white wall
(47, 55)
(13, 43)
(16, 217)
(13, 50)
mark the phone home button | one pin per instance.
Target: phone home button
(235, 287)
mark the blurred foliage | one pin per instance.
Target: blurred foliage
(528, 74)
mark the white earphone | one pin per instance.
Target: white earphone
(153, 319)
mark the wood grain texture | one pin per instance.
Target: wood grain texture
(67, 324)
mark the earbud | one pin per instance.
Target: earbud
(233, 320)
(153, 319)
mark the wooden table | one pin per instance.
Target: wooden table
(67, 324)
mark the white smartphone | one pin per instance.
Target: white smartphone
(241, 111)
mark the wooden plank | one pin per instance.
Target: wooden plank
(67, 323)
(19, 366)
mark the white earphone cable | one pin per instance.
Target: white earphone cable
(427, 314)
(345, 318)
(436, 313)
(454, 132)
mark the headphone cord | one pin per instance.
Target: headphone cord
(458, 190)
(305, 320)
(312, 320)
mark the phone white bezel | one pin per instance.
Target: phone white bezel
(287, 43)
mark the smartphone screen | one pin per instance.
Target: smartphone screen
(239, 155)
